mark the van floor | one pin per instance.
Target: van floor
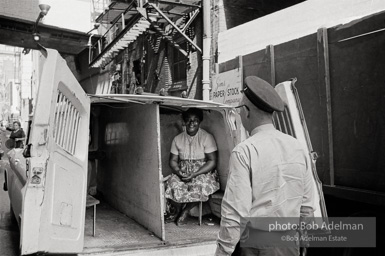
(117, 232)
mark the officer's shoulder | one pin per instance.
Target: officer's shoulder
(242, 146)
(287, 136)
(294, 142)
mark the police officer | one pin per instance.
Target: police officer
(269, 173)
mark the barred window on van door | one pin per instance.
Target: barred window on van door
(282, 122)
(67, 119)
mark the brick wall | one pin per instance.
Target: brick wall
(194, 76)
(194, 73)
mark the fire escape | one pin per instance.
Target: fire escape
(126, 21)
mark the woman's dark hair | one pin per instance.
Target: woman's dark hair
(193, 111)
(17, 122)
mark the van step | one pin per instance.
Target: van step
(201, 249)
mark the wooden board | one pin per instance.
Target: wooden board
(129, 177)
(358, 105)
(297, 58)
(291, 23)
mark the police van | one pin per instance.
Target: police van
(47, 185)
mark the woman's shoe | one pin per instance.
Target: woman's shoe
(182, 219)
(170, 218)
(173, 210)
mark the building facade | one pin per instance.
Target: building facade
(163, 47)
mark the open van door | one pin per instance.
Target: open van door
(292, 121)
(53, 210)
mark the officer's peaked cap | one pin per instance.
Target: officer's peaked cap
(262, 94)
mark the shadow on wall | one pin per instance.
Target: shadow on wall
(242, 11)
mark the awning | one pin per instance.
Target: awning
(18, 32)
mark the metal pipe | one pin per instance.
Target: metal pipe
(41, 15)
(89, 49)
(206, 50)
(361, 35)
(192, 18)
(179, 3)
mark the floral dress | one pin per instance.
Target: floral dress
(191, 151)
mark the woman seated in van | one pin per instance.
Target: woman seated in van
(193, 160)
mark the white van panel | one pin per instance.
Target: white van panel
(53, 206)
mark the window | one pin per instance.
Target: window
(283, 122)
(67, 120)
(179, 66)
(116, 133)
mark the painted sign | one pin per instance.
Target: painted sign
(227, 86)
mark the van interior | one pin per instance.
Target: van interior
(136, 141)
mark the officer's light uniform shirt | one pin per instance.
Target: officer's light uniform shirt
(269, 176)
